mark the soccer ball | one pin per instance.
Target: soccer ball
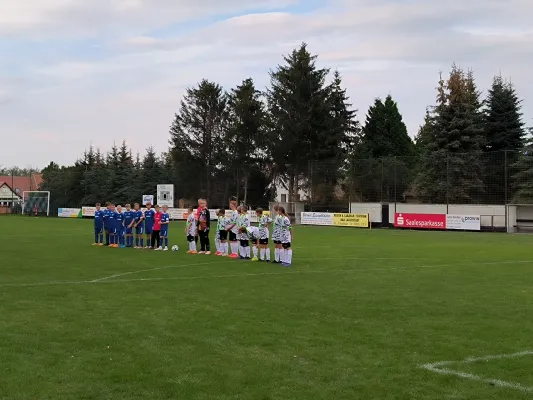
(175, 247)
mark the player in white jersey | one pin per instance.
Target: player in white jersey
(232, 229)
(252, 233)
(242, 236)
(221, 233)
(276, 235)
(191, 231)
(286, 238)
(263, 222)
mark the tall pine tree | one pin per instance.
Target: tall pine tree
(196, 135)
(386, 153)
(505, 137)
(452, 165)
(246, 139)
(300, 112)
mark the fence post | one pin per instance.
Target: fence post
(447, 182)
(381, 186)
(311, 188)
(505, 200)
(12, 191)
(395, 181)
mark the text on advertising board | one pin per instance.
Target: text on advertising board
(355, 220)
(420, 221)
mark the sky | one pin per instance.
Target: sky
(76, 73)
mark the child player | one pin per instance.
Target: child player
(138, 225)
(232, 229)
(286, 238)
(253, 235)
(276, 235)
(148, 224)
(263, 222)
(165, 222)
(220, 224)
(156, 229)
(204, 224)
(98, 226)
(129, 220)
(190, 231)
(244, 224)
(112, 226)
(224, 222)
(106, 222)
(120, 228)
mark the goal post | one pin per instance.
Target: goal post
(36, 201)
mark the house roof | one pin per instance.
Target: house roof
(20, 184)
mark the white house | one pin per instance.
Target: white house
(282, 191)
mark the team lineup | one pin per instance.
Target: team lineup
(116, 227)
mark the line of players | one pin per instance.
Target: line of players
(121, 227)
(118, 227)
(234, 234)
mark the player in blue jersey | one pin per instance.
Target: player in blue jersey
(129, 220)
(138, 218)
(120, 228)
(98, 226)
(165, 222)
(112, 226)
(105, 217)
(149, 214)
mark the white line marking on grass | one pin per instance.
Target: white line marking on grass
(151, 269)
(440, 368)
(108, 279)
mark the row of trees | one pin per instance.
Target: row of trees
(304, 132)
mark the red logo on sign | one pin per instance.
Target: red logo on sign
(420, 221)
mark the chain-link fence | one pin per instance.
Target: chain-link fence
(327, 185)
(504, 177)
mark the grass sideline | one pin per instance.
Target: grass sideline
(354, 318)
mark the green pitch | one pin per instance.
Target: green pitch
(356, 317)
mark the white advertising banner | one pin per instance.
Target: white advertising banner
(165, 195)
(317, 218)
(148, 198)
(88, 211)
(463, 222)
(69, 212)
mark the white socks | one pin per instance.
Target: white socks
(255, 251)
(247, 251)
(288, 256)
(234, 248)
(265, 252)
(277, 254)
(217, 244)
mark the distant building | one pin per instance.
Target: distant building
(12, 188)
(282, 191)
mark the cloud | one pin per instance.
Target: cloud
(128, 62)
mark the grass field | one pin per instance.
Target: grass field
(356, 317)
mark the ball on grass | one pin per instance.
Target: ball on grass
(175, 247)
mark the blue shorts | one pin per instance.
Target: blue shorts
(119, 230)
(139, 230)
(98, 229)
(164, 232)
(148, 229)
(129, 231)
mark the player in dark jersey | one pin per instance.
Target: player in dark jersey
(129, 219)
(98, 226)
(149, 214)
(120, 228)
(138, 218)
(165, 222)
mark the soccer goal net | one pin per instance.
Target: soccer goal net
(36, 203)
